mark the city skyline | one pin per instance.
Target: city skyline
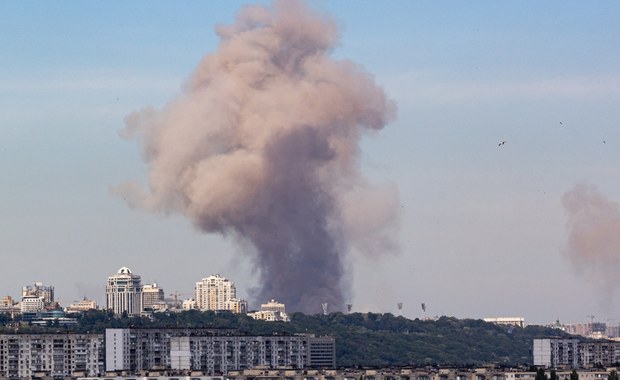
(503, 109)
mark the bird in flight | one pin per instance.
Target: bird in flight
(502, 143)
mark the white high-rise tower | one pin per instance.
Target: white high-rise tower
(124, 293)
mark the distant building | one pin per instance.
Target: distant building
(236, 305)
(30, 356)
(507, 321)
(9, 306)
(81, 306)
(595, 330)
(37, 289)
(153, 297)
(32, 304)
(215, 292)
(188, 304)
(124, 293)
(271, 311)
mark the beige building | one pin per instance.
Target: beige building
(153, 297)
(124, 293)
(37, 289)
(81, 306)
(216, 293)
(271, 311)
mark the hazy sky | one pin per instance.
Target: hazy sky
(482, 230)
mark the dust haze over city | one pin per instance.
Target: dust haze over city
(463, 156)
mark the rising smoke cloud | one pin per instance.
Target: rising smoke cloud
(263, 145)
(593, 236)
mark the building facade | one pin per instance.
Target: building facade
(153, 297)
(124, 293)
(81, 306)
(271, 311)
(214, 352)
(37, 289)
(51, 355)
(215, 293)
(573, 353)
(32, 304)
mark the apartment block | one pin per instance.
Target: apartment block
(213, 352)
(213, 292)
(51, 355)
(573, 353)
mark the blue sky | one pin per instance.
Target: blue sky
(482, 227)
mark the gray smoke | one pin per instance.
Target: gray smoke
(593, 236)
(263, 145)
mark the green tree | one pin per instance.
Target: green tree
(574, 375)
(554, 375)
(541, 375)
(613, 375)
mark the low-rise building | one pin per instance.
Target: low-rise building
(271, 311)
(506, 321)
(81, 306)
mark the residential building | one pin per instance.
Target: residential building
(188, 304)
(153, 297)
(572, 353)
(236, 305)
(37, 289)
(32, 304)
(9, 306)
(212, 351)
(50, 355)
(213, 292)
(124, 293)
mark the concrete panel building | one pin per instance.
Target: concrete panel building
(573, 353)
(51, 355)
(212, 352)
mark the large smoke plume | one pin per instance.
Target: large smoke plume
(263, 145)
(594, 236)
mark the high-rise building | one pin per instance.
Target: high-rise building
(153, 297)
(213, 292)
(37, 289)
(124, 293)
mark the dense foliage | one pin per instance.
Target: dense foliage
(361, 339)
